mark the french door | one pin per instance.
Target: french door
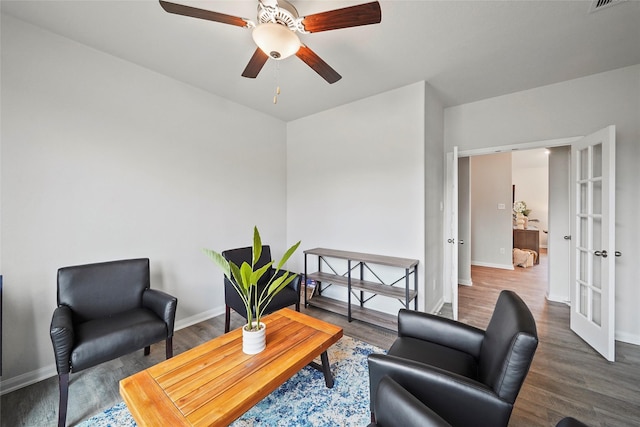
(593, 242)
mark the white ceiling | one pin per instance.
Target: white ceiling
(467, 50)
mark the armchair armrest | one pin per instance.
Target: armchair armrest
(441, 391)
(163, 305)
(440, 330)
(62, 337)
(395, 406)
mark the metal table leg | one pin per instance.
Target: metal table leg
(328, 377)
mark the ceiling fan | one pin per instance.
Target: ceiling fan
(275, 34)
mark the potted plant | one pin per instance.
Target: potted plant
(245, 278)
(521, 213)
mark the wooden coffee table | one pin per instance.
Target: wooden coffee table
(215, 383)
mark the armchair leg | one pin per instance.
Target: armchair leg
(169, 347)
(63, 382)
(147, 350)
(298, 306)
(227, 318)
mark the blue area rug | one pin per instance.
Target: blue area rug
(302, 401)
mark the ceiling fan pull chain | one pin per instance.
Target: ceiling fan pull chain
(276, 70)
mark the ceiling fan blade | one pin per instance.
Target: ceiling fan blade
(353, 16)
(318, 65)
(255, 64)
(193, 12)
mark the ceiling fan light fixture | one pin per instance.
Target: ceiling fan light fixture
(275, 40)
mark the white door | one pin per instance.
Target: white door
(559, 236)
(451, 233)
(593, 241)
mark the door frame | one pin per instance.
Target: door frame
(451, 251)
(502, 149)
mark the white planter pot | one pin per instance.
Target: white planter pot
(254, 342)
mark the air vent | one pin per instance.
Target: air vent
(602, 4)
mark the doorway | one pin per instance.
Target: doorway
(592, 220)
(555, 227)
(496, 183)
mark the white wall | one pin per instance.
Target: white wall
(103, 160)
(356, 179)
(434, 182)
(571, 108)
(532, 186)
(491, 235)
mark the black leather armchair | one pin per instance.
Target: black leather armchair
(570, 422)
(290, 295)
(464, 374)
(106, 310)
(396, 407)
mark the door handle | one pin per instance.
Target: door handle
(461, 242)
(567, 237)
(450, 241)
(618, 253)
(603, 254)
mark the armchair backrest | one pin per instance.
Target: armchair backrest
(240, 255)
(508, 347)
(99, 290)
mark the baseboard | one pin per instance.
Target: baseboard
(197, 318)
(628, 338)
(32, 377)
(28, 378)
(465, 282)
(558, 298)
(438, 306)
(619, 336)
(491, 265)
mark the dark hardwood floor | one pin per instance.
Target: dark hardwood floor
(567, 377)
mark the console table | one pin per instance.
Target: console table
(527, 239)
(357, 287)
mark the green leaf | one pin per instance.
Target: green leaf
(238, 282)
(273, 286)
(287, 255)
(255, 277)
(219, 260)
(245, 273)
(273, 289)
(257, 246)
(280, 283)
